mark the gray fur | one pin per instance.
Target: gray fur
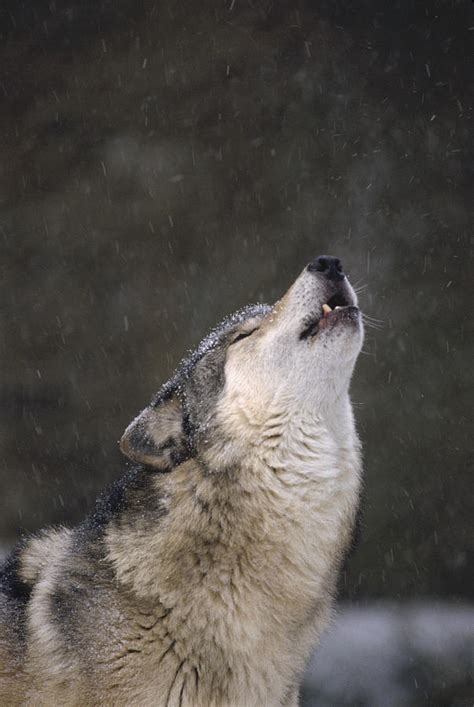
(207, 572)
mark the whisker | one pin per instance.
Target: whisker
(373, 319)
(359, 282)
(371, 325)
(380, 322)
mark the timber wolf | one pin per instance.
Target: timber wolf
(207, 573)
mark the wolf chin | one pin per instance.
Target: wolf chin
(207, 573)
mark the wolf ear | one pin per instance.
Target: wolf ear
(156, 437)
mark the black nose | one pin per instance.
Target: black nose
(328, 266)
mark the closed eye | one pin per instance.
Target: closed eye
(243, 335)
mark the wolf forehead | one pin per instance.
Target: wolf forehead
(217, 339)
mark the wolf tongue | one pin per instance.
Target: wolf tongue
(326, 310)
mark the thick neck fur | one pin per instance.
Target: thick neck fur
(245, 560)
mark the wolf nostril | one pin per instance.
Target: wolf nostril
(328, 266)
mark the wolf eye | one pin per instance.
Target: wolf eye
(243, 335)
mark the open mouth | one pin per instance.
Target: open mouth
(338, 307)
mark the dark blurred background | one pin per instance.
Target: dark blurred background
(164, 163)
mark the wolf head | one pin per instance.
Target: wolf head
(295, 356)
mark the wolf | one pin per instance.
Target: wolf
(207, 573)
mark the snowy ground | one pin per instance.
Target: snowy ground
(395, 655)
